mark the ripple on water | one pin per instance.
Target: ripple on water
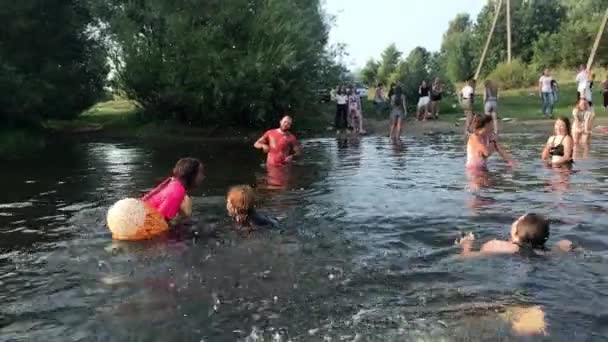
(365, 250)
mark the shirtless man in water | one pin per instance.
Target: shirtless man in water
(279, 143)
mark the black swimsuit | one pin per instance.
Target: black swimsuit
(557, 151)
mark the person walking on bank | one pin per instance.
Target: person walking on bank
(490, 99)
(379, 98)
(340, 122)
(545, 92)
(422, 110)
(605, 93)
(436, 95)
(466, 96)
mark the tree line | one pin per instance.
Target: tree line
(241, 62)
(544, 33)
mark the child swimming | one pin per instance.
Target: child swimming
(168, 203)
(240, 203)
(529, 231)
(481, 144)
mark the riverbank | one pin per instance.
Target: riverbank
(120, 120)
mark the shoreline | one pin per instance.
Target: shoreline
(373, 127)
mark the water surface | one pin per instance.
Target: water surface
(365, 249)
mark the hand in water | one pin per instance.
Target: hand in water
(512, 164)
(289, 159)
(465, 238)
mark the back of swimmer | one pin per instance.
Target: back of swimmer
(241, 207)
(150, 216)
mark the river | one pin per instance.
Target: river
(365, 250)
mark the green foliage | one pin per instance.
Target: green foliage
(389, 62)
(230, 62)
(369, 73)
(51, 64)
(514, 75)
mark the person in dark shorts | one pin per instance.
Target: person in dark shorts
(436, 95)
(605, 93)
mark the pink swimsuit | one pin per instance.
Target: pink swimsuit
(475, 160)
(167, 198)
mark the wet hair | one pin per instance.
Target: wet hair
(566, 121)
(186, 170)
(533, 230)
(240, 202)
(481, 120)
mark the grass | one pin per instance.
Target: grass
(121, 116)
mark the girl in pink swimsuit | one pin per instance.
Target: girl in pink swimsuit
(481, 144)
(169, 198)
(141, 219)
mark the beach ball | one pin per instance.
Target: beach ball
(133, 219)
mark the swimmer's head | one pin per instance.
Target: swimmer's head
(562, 126)
(239, 203)
(530, 229)
(286, 123)
(190, 172)
(481, 123)
(582, 104)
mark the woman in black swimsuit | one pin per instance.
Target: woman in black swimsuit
(559, 147)
(436, 95)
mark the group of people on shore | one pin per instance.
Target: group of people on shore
(349, 111)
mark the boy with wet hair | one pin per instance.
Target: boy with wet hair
(529, 231)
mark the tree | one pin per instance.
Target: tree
(457, 49)
(388, 63)
(238, 62)
(51, 63)
(369, 73)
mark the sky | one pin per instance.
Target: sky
(367, 27)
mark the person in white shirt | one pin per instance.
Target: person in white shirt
(341, 110)
(466, 96)
(545, 91)
(582, 82)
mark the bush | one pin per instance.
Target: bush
(514, 75)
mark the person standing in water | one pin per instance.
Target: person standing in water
(482, 142)
(436, 95)
(167, 204)
(355, 112)
(583, 123)
(424, 92)
(545, 91)
(466, 97)
(490, 99)
(559, 148)
(280, 144)
(340, 121)
(398, 112)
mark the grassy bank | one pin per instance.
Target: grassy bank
(119, 118)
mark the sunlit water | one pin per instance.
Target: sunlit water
(365, 250)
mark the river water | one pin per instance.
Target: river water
(365, 250)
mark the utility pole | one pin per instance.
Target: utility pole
(485, 49)
(509, 31)
(597, 40)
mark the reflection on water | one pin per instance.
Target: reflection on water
(365, 248)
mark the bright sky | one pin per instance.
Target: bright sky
(367, 27)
